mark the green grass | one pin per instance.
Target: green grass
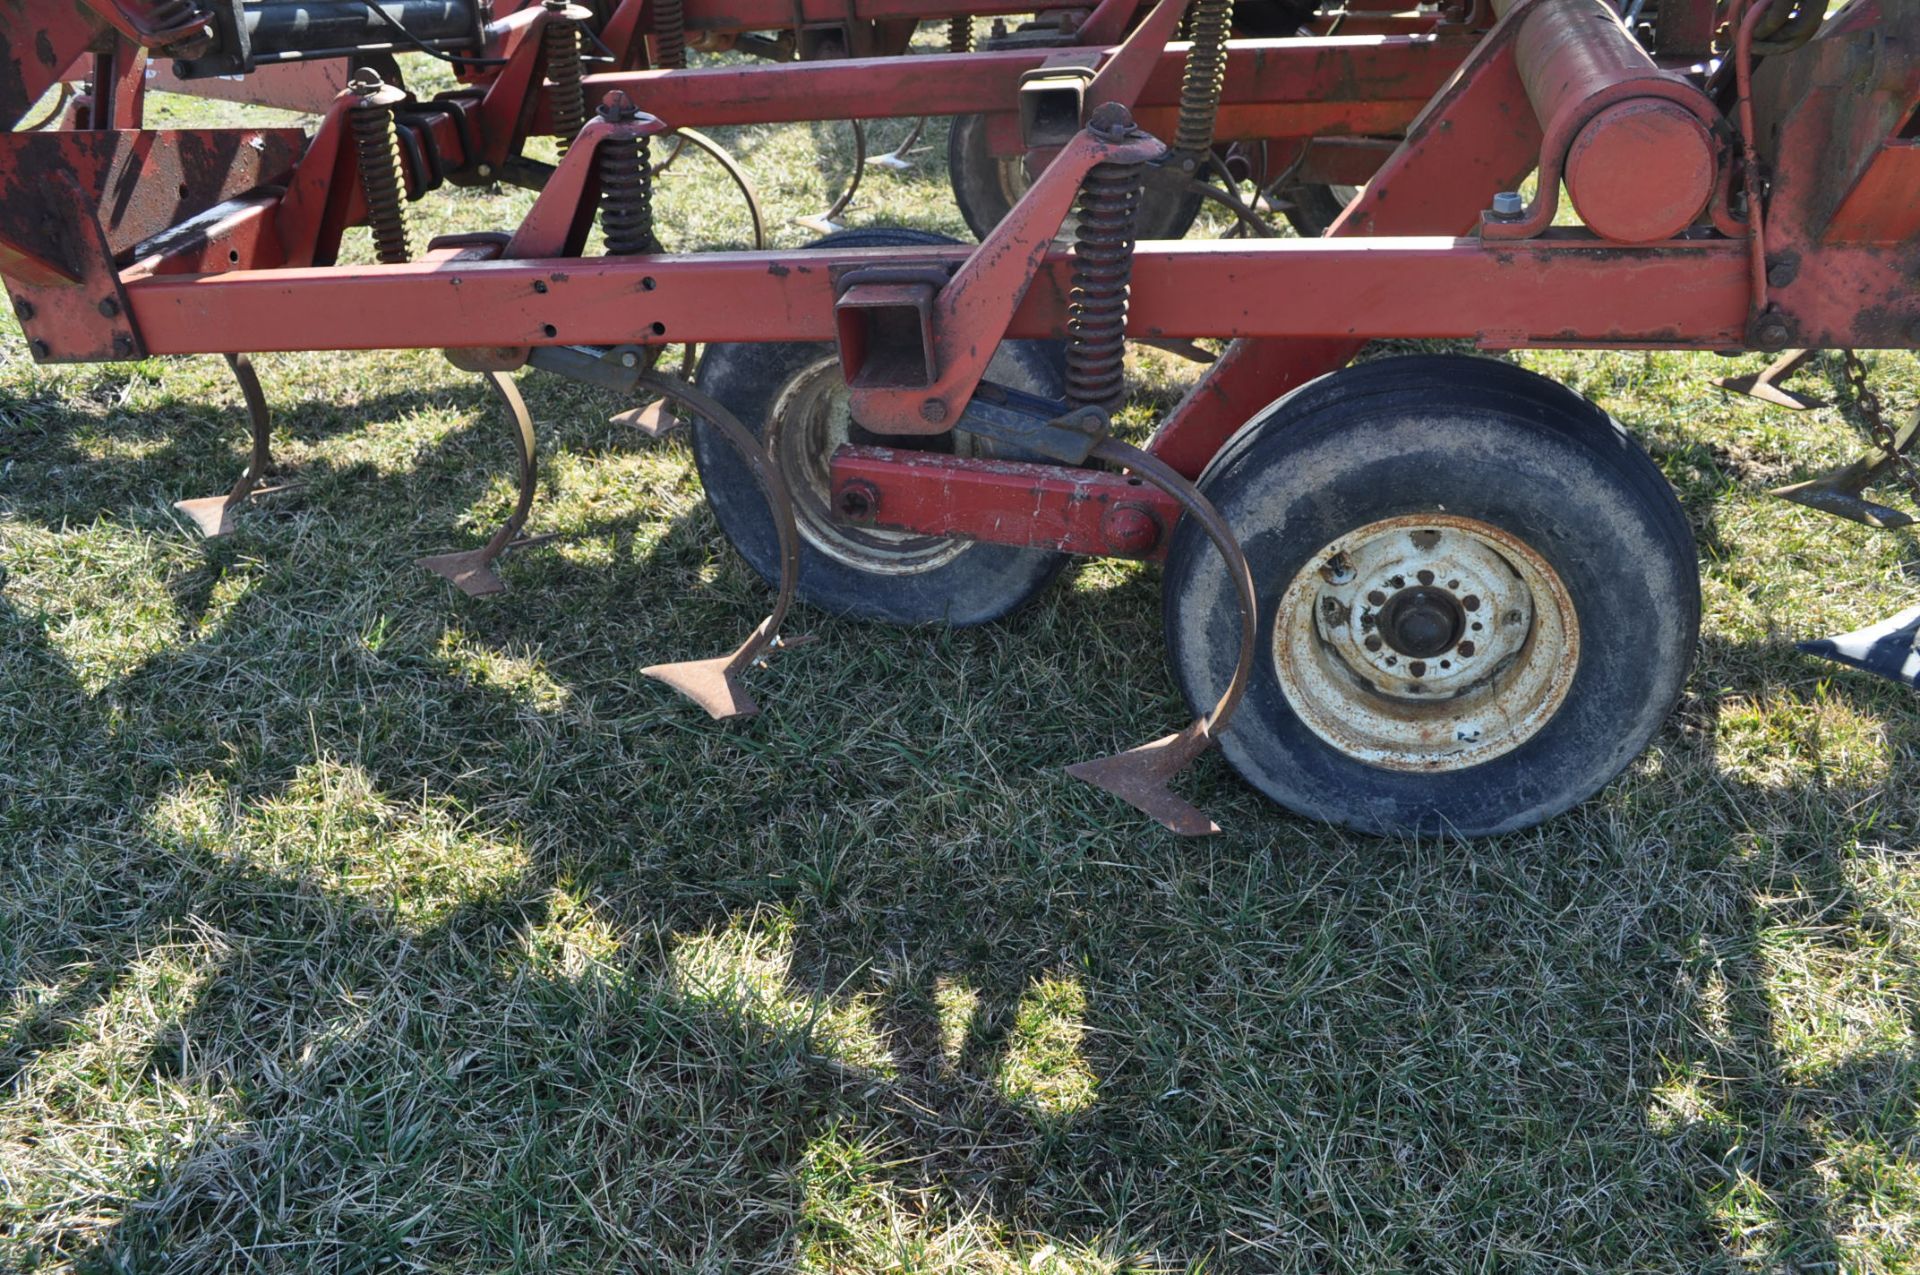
(348, 924)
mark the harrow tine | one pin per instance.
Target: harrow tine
(1139, 776)
(471, 570)
(714, 684)
(1766, 386)
(213, 515)
(1885, 649)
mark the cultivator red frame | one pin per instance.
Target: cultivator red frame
(1758, 196)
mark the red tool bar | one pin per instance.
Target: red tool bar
(1540, 292)
(774, 15)
(1086, 511)
(1319, 80)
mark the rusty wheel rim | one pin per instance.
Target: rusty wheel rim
(1427, 642)
(810, 419)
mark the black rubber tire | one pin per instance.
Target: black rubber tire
(1477, 438)
(983, 583)
(1312, 209)
(984, 200)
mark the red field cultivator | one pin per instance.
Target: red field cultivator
(1423, 592)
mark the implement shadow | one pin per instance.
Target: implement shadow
(697, 1001)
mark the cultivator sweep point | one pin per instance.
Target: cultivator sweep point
(1370, 604)
(714, 684)
(213, 515)
(1769, 385)
(1886, 649)
(472, 570)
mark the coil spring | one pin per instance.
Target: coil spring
(1102, 271)
(626, 195)
(169, 15)
(379, 164)
(670, 33)
(569, 99)
(960, 34)
(1204, 75)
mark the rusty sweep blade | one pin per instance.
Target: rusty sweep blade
(1139, 777)
(213, 515)
(471, 570)
(714, 684)
(1767, 385)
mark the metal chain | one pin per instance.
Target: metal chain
(1883, 436)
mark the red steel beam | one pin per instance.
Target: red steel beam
(1088, 511)
(1356, 84)
(1552, 291)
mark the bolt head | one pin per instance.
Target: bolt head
(933, 411)
(629, 359)
(24, 308)
(109, 307)
(856, 501)
(1508, 203)
(41, 350)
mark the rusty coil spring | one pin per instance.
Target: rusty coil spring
(169, 15)
(568, 97)
(1204, 75)
(379, 164)
(960, 34)
(670, 33)
(1102, 270)
(626, 195)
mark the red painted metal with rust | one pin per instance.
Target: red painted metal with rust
(145, 263)
(1639, 169)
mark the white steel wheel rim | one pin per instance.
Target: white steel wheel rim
(811, 418)
(1426, 643)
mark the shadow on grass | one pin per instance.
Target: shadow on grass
(374, 928)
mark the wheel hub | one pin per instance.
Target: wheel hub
(1426, 642)
(810, 419)
(1422, 622)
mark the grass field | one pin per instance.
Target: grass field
(348, 924)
